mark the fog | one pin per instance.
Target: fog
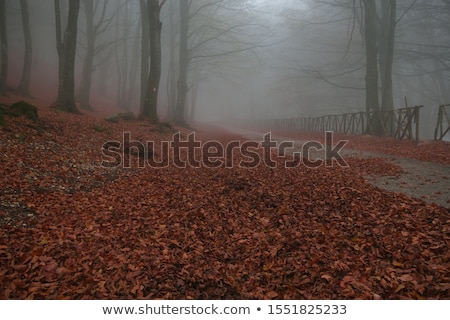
(247, 60)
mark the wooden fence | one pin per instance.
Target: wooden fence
(443, 123)
(400, 123)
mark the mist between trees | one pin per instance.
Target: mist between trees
(184, 61)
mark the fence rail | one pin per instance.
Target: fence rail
(400, 123)
(443, 123)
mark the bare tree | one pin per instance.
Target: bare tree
(4, 49)
(134, 65)
(149, 106)
(183, 66)
(423, 54)
(127, 27)
(379, 35)
(94, 48)
(378, 21)
(24, 85)
(171, 85)
(66, 51)
(86, 75)
(216, 33)
(145, 51)
(386, 43)
(370, 34)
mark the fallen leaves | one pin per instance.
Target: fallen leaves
(432, 151)
(79, 231)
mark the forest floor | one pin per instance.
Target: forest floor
(72, 228)
(425, 172)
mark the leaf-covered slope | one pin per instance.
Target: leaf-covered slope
(72, 229)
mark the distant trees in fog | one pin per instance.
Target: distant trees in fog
(328, 56)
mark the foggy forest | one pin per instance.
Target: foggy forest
(225, 149)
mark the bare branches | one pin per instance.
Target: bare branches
(352, 29)
(406, 11)
(327, 77)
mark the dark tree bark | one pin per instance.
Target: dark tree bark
(66, 52)
(4, 49)
(59, 44)
(24, 85)
(386, 41)
(379, 33)
(172, 70)
(123, 62)
(183, 66)
(149, 108)
(145, 52)
(370, 35)
(386, 52)
(84, 90)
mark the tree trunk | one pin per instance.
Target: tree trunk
(370, 34)
(183, 67)
(4, 50)
(24, 86)
(66, 91)
(151, 96)
(386, 60)
(59, 45)
(193, 103)
(84, 89)
(193, 93)
(102, 88)
(172, 70)
(132, 76)
(145, 53)
(387, 41)
(122, 60)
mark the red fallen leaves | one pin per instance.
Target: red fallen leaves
(79, 231)
(432, 151)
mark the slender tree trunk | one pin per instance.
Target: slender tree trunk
(118, 60)
(84, 89)
(171, 72)
(103, 78)
(151, 96)
(133, 74)
(24, 86)
(122, 61)
(370, 34)
(183, 67)
(193, 95)
(59, 45)
(66, 92)
(4, 49)
(145, 53)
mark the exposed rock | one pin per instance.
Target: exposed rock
(18, 109)
(23, 108)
